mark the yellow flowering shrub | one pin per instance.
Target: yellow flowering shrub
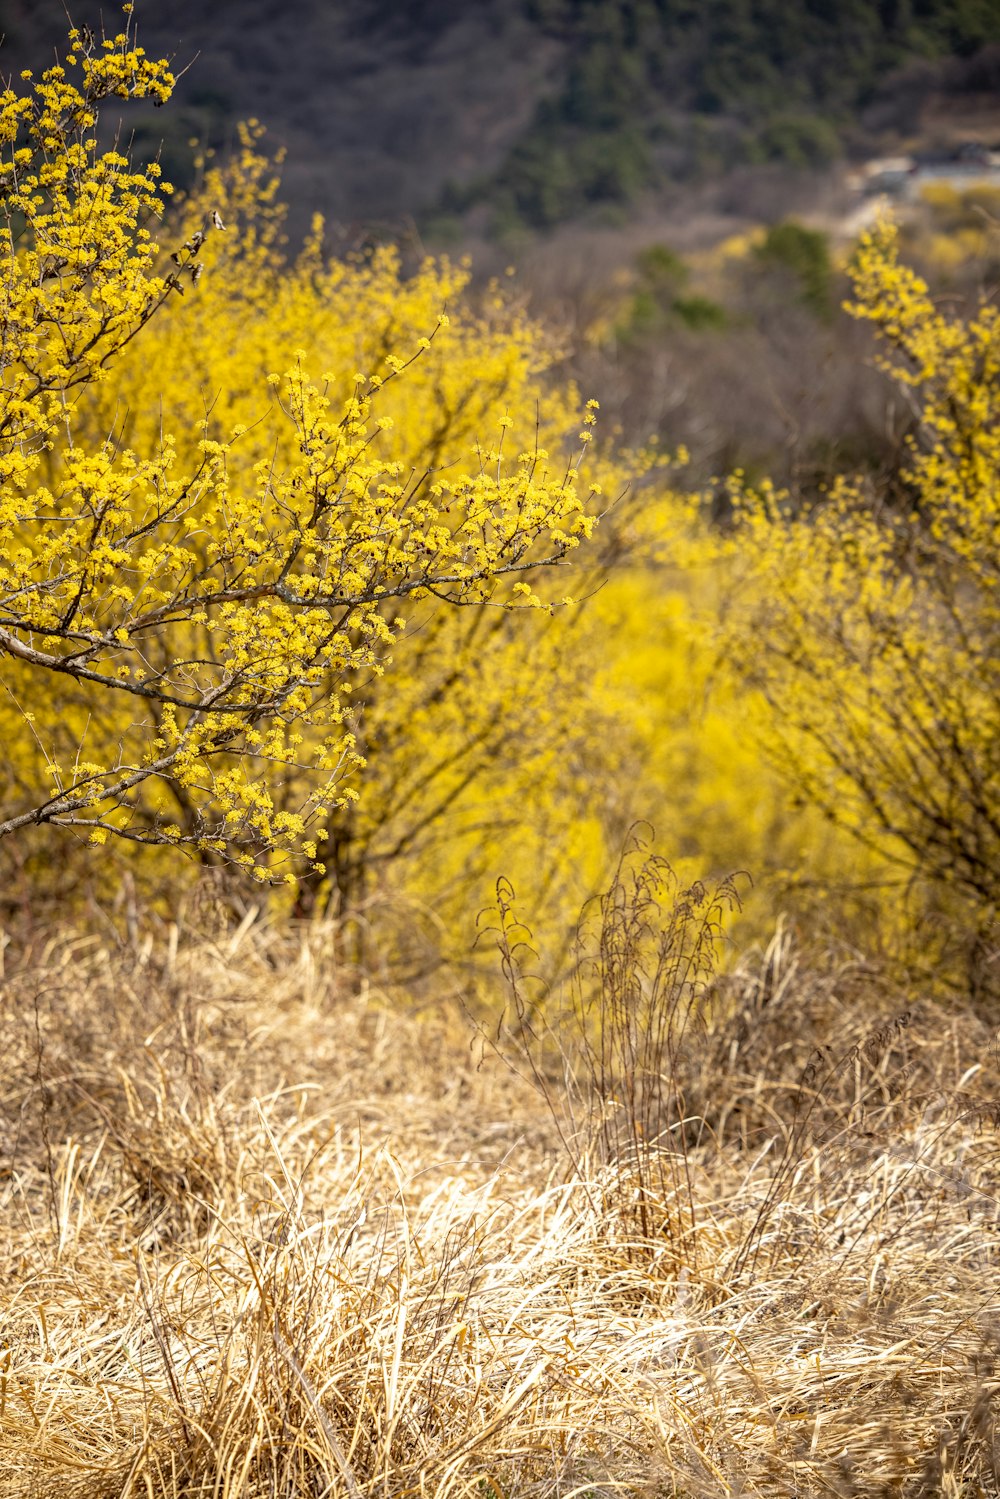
(225, 485)
(474, 742)
(872, 625)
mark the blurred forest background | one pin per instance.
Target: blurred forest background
(513, 113)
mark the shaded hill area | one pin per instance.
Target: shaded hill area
(375, 104)
(527, 113)
(665, 91)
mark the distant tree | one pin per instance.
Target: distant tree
(804, 254)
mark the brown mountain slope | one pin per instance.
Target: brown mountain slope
(534, 113)
(377, 104)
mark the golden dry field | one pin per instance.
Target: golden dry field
(267, 1234)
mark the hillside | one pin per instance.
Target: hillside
(519, 113)
(376, 105)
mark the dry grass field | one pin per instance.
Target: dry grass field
(267, 1233)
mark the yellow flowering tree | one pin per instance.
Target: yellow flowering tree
(872, 623)
(204, 608)
(479, 742)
